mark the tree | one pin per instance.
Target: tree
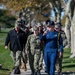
(5, 18)
(69, 15)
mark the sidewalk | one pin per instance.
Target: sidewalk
(28, 72)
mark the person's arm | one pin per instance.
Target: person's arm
(65, 42)
(60, 46)
(7, 41)
(27, 46)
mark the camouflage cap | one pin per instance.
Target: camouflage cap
(18, 20)
(17, 25)
(58, 25)
(35, 28)
(28, 25)
(44, 23)
(39, 24)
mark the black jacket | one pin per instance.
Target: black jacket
(15, 39)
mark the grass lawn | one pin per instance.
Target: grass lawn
(7, 63)
(68, 63)
(5, 59)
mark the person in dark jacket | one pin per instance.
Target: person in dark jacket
(15, 39)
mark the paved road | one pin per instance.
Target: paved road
(28, 72)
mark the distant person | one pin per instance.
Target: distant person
(51, 47)
(58, 27)
(15, 39)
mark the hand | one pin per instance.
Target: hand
(26, 51)
(45, 33)
(60, 54)
(6, 47)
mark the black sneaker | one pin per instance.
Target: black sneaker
(17, 70)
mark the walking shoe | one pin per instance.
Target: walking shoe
(17, 70)
(60, 73)
(23, 66)
(32, 73)
(38, 73)
(35, 73)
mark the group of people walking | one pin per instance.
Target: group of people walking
(38, 43)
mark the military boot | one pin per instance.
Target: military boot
(23, 66)
(17, 70)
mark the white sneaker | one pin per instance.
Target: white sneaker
(72, 56)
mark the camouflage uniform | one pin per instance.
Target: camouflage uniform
(65, 42)
(33, 46)
(63, 35)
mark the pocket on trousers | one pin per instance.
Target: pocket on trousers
(37, 52)
(32, 52)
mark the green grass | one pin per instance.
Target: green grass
(68, 63)
(7, 63)
(5, 59)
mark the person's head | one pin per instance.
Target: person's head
(40, 26)
(17, 26)
(36, 30)
(50, 25)
(58, 26)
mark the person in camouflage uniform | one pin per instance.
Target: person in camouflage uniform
(33, 46)
(65, 42)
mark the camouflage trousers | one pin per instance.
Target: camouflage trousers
(59, 65)
(16, 56)
(35, 61)
(41, 60)
(24, 57)
(31, 61)
(38, 61)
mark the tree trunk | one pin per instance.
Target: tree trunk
(68, 23)
(73, 35)
(67, 31)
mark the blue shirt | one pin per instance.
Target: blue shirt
(51, 41)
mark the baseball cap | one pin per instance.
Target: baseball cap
(50, 23)
(58, 25)
(35, 28)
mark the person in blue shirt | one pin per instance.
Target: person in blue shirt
(52, 43)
